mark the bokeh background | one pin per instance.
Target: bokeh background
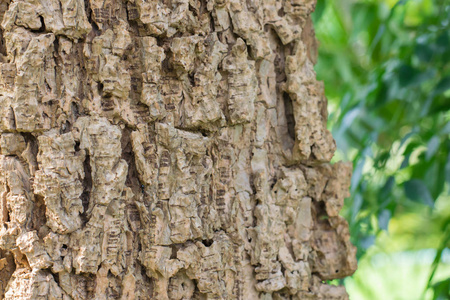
(386, 68)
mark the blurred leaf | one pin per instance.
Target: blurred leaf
(405, 162)
(408, 135)
(385, 191)
(320, 8)
(368, 241)
(357, 173)
(432, 147)
(411, 76)
(447, 169)
(417, 191)
(383, 219)
(382, 158)
(424, 52)
(441, 290)
(445, 129)
(437, 260)
(356, 206)
(442, 86)
(443, 41)
(434, 177)
(406, 75)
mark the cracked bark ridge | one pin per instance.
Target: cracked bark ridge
(166, 150)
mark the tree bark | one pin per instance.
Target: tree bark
(166, 149)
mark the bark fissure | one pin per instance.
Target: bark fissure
(289, 112)
(2, 46)
(87, 188)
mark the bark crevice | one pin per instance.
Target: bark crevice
(87, 188)
(289, 112)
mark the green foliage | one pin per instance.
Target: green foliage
(386, 68)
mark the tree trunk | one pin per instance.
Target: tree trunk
(166, 149)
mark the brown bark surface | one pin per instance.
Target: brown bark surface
(166, 149)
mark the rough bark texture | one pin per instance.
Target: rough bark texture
(166, 149)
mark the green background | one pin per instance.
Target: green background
(386, 68)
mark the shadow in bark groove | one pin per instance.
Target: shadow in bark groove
(87, 187)
(289, 112)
